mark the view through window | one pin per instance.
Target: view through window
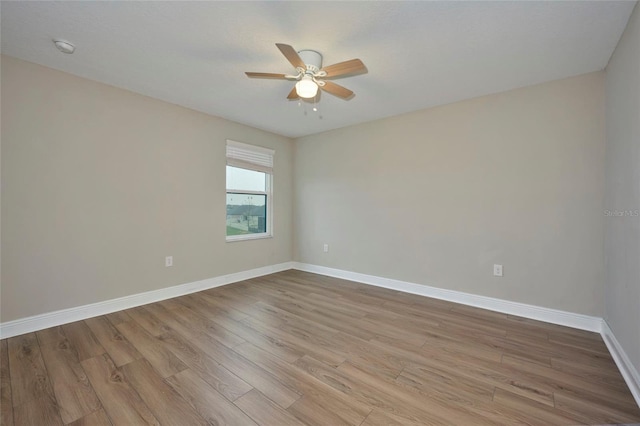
(246, 201)
(249, 182)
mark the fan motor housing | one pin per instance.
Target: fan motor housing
(312, 59)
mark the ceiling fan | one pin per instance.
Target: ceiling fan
(310, 74)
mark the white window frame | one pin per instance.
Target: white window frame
(259, 159)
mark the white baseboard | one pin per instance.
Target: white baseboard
(64, 316)
(554, 316)
(627, 369)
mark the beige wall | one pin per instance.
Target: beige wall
(100, 184)
(622, 234)
(438, 196)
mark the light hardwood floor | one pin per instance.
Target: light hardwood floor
(297, 348)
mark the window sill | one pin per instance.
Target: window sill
(234, 238)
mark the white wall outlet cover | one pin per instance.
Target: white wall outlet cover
(168, 261)
(497, 270)
(326, 248)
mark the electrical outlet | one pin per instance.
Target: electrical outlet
(168, 261)
(497, 270)
(326, 248)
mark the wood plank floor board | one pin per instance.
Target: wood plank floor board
(430, 354)
(348, 305)
(295, 348)
(204, 307)
(380, 394)
(543, 361)
(325, 397)
(118, 348)
(298, 304)
(379, 328)
(456, 323)
(322, 349)
(608, 375)
(206, 400)
(579, 344)
(527, 323)
(116, 318)
(162, 359)
(52, 337)
(121, 402)
(263, 380)
(528, 339)
(97, 418)
(265, 412)
(403, 307)
(192, 348)
(419, 326)
(219, 308)
(266, 312)
(553, 347)
(528, 411)
(38, 411)
(440, 340)
(447, 382)
(147, 321)
(74, 394)
(270, 342)
(225, 335)
(266, 289)
(29, 377)
(337, 304)
(595, 392)
(232, 361)
(381, 418)
(534, 351)
(557, 378)
(453, 401)
(309, 412)
(494, 374)
(328, 321)
(83, 340)
(593, 412)
(240, 302)
(525, 330)
(370, 357)
(166, 404)
(482, 408)
(209, 370)
(301, 328)
(6, 405)
(304, 301)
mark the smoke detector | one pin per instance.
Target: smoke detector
(64, 46)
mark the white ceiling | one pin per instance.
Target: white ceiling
(419, 54)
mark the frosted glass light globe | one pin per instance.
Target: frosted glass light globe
(306, 88)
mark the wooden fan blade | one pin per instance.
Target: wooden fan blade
(353, 66)
(337, 90)
(291, 55)
(265, 75)
(293, 94)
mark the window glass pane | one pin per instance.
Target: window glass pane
(245, 180)
(246, 214)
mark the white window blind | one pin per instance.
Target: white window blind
(250, 157)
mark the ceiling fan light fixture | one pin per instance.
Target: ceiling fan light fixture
(310, 74)
(306, 87)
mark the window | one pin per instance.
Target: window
(249, 189)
